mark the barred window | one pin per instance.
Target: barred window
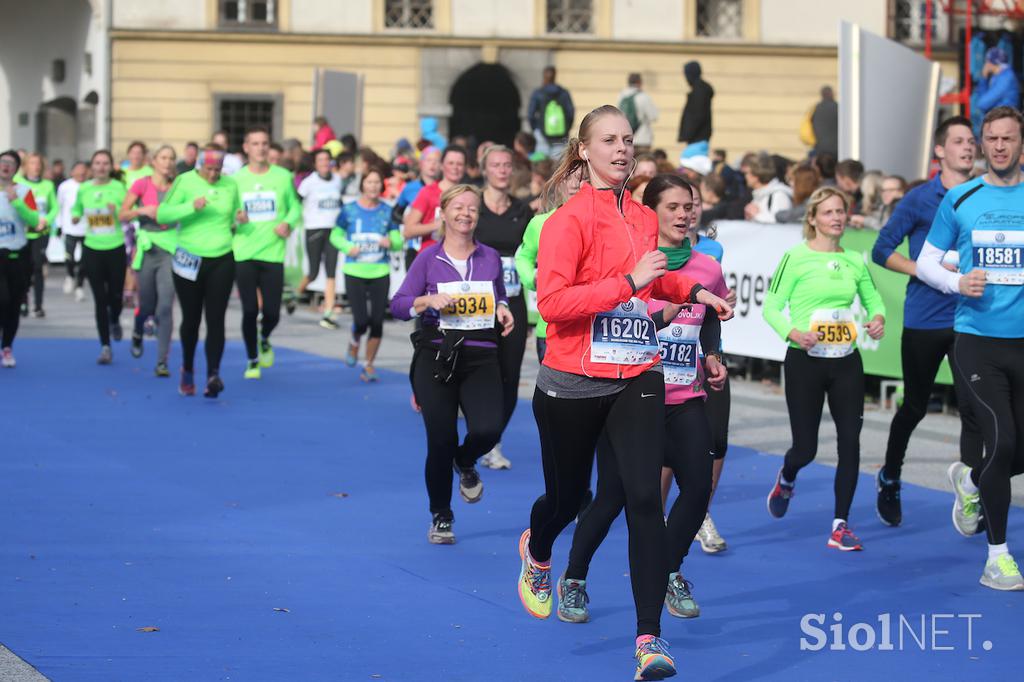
(720, 18)
(258, 14)
(236, 114)
(908, 23)
(409, 14)
(570, 16)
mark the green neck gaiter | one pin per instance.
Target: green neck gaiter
(678, 256)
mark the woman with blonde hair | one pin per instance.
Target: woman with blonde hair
(456, 287)
(819, 280)
(154, 255)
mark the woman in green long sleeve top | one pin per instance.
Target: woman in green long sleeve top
(203, 203)
(819, 280)
(46, 200)
(365, 234)
(103, 255)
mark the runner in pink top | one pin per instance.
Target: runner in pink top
(683, 331)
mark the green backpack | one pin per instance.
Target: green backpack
(554, 119)
(628, 107)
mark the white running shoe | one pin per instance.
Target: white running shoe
(8, 358)
(79, 294)
(69, 285)
(710, 541)
(495, 460)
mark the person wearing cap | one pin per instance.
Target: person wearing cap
(695, 123)
(998, 86)
(694, 168)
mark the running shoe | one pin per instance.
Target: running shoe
(290, 305)
(136, 349)
(778, 498)
(710, 541)
(471, 488)
(162, 370)
(69, 285)
(573, 600)
(38, 312)
(1002, 573)
(653, 662)
(534, 581)
(966, 506)
(149, 327)
(440, 532)
(106, 356)
(24, 309)
(843, 539)
(116, 332)
(266, 353)
(369, 375)
(252, 370)
(329, 323)
(214, 385)
(352, 356)
(679, 597)
(187, 386)
(889, 509)
(495, 459)
(7, 358)
(79, 294)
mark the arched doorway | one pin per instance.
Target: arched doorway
(485, 104)
(57, 129)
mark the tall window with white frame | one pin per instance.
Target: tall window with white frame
(248, 14)
(409, 14)
(720, 19)
(570, 16)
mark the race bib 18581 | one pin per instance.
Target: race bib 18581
(1000, 254)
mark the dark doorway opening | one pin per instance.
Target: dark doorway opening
(485, 105)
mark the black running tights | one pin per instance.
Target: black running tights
(268, 278)
(105, 271)
(211, 292)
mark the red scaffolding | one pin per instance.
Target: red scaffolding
(969, 9)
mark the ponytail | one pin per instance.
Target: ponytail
(553, 193)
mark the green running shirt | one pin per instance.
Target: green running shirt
(269, 199)
(207, 232)
(98, 205)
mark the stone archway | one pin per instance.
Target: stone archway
(485, 104)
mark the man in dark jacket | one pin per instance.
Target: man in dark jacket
(550, 114)
(825, 121)
(695, 123)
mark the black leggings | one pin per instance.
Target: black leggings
(13, 283)
(993, 370)
(634, 421)
(511, 349)
(718, 407)
(105, 271)
(269, 279)
(211, 291)
(475, 388)
(808, 381)
(38, 248)
(922, 351)
(360, 290)
(320, 249)
(71, 242)
(688, 453)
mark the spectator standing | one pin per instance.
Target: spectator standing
(323, 133)
(551, 115)
(998, 86)
(825, 121)
(640, 111)
(695, 123)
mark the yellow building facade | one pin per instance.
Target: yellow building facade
(171, 71)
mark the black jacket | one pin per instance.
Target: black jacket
(695, 123)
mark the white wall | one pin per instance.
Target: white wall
(47, 30)
(816, 22)
(487, 18)
(160, 14)
(647, 20)
(317, 16)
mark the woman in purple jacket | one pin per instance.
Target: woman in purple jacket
(457, 286)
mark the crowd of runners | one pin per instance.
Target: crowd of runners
(632, 301)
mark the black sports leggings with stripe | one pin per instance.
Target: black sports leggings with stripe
(993, 370)
(210, 292)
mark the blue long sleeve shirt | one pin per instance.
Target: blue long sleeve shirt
(1001, 89)
(924, 307)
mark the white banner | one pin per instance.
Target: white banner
(752, 252)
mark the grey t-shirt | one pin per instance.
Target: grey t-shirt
(559, 384)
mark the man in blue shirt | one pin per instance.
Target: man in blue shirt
(927, 314)
(984, 221)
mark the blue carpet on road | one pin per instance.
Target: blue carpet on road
(279, 533)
